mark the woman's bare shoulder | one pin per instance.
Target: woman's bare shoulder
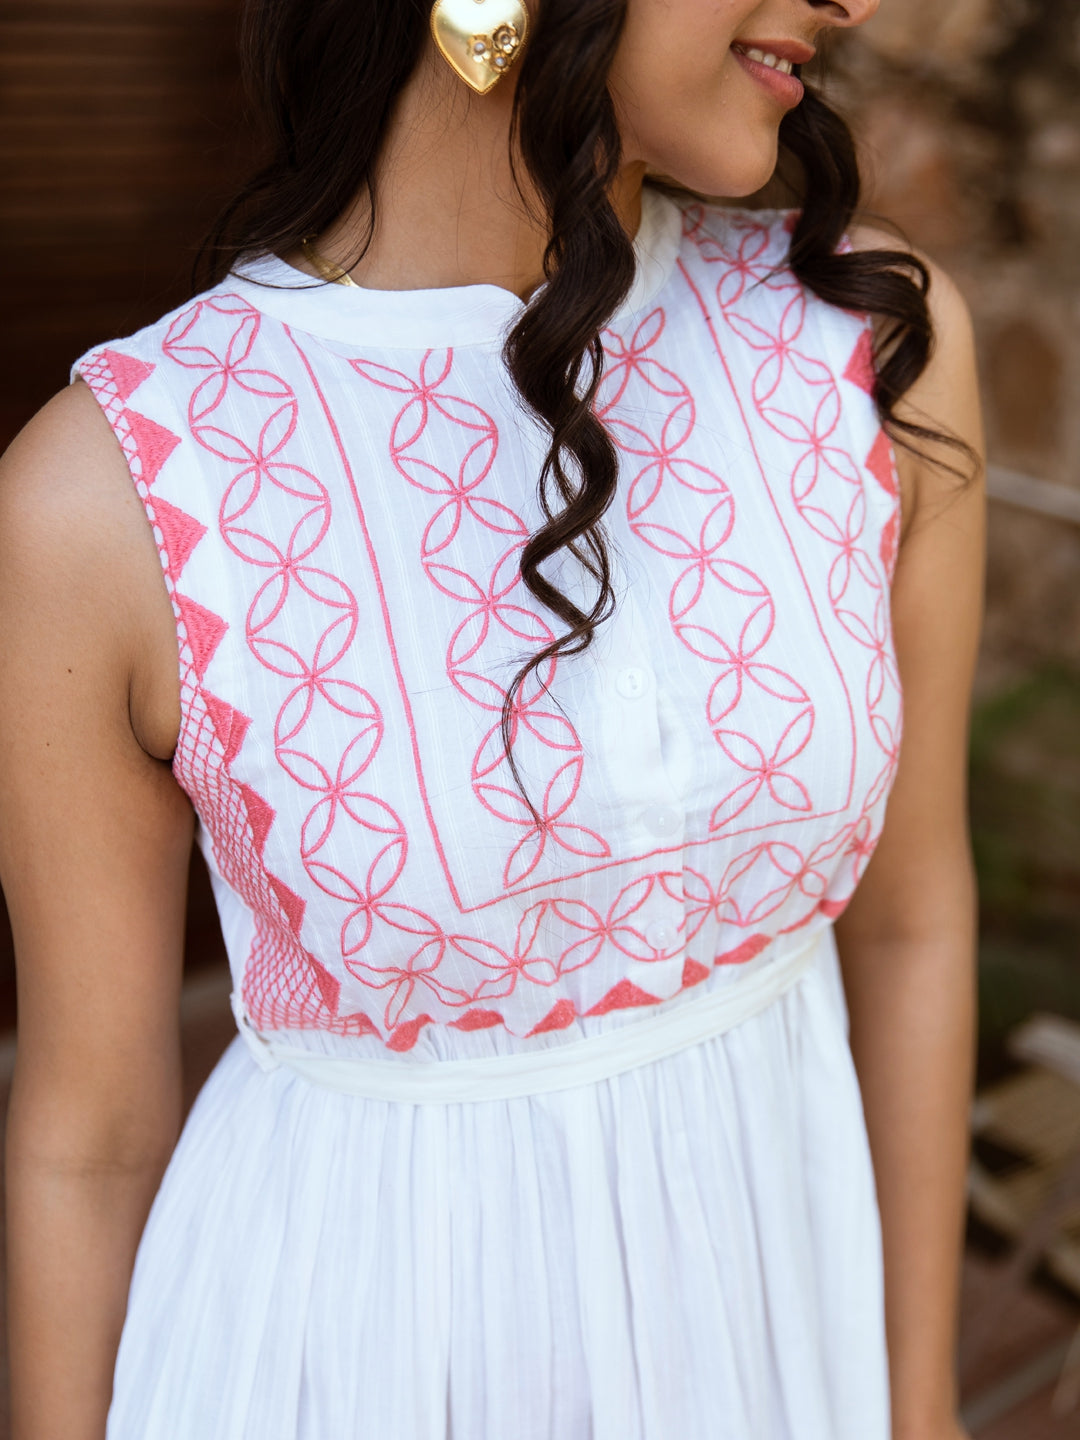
(64, 486)
(78, 563)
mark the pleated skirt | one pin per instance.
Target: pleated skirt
(686, 1251)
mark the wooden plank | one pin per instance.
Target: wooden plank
(120, 136)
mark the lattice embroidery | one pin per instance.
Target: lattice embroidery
(348, 908)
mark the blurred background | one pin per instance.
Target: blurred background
(121, 131)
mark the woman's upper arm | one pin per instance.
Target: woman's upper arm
(919, 878)
(95, 834)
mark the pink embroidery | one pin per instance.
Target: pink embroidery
(345, 818)
(693, 973)
(280, 987)
(826, 482)
(493, 607)
(180, 534)
(558, 1017)
(709, 583)
(860, 368)
(126, 372)
(623, 996)
(332, 811)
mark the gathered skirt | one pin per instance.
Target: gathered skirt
(686, 1251)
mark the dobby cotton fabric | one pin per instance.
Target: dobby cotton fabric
(339, 482)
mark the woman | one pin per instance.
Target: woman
(537, 700)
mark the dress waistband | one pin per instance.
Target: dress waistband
(673, 1026)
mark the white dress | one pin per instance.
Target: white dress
(340, 481)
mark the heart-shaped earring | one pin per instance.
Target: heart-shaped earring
(479, 39)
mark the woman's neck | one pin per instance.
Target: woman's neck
(448, 211)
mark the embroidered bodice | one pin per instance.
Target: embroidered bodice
(339, 483)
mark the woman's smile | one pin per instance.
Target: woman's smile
(772, 62)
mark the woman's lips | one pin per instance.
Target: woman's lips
(788, 89)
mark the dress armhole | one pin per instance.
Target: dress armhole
(113, 375)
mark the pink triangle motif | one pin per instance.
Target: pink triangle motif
(230, 724)
(880, 463)
(329, 987)
(290, 902)
(204, 630)
(180, 533)
(889, 543)
(356, 1024)
(860, 368)
(557, 1018)
(154, 443)
(128, 372)
(693, 973)
(477, 1020)
(405, 1036)
(623, 996)
(744, 952)
(260, 816)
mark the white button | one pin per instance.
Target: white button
(661, 935)
(632, 682)
(662, 820)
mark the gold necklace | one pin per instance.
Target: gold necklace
(326, 268)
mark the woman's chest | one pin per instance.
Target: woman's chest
(370, 517)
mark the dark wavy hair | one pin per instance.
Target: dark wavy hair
(323, 76)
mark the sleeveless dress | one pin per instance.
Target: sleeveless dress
(339, 482)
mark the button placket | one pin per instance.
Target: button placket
(663, 821)
(662, 935)
(632, 682)
(651, 811)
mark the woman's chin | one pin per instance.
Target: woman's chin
(737, 175)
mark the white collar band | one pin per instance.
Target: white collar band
(456, 315)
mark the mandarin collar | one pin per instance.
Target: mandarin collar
(451, 316)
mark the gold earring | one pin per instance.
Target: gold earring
(479, 39)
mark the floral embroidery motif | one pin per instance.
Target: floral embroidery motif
(340, 533)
